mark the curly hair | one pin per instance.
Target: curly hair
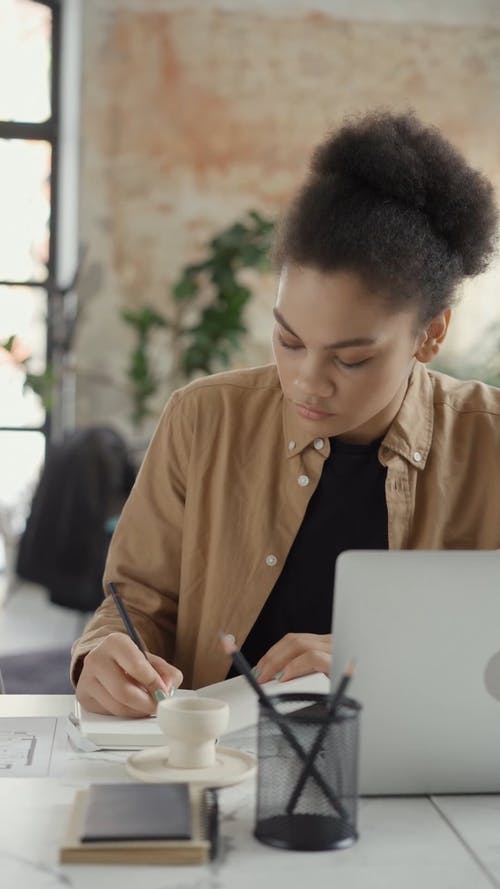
(393, 201)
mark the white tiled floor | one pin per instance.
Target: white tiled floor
(29, 621)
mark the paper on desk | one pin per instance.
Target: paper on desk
(243, 701)
(26, 746)
(116, 733)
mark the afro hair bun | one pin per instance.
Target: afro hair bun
(398, 159)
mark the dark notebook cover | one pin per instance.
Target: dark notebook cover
(121, 812)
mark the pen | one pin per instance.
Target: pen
(158, 694)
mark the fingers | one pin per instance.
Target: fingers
(117, 696)
(172, 677)
(118, 679)
(296, 654)
(104, 702)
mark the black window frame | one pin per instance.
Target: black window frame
(47, 131)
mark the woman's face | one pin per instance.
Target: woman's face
(343, 355)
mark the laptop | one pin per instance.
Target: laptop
(424, 629)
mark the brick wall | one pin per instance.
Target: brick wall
(194, 112)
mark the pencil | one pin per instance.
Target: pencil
(331, 710)
(158, 694)
(241, 663)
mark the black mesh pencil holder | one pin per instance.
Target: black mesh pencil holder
(307, 775)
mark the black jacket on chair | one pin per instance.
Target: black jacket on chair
(84, 483)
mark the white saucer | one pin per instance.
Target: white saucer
(231, 767)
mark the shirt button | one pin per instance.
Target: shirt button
(319, 443)
(417, 456)
(291, 445)
(271, 560)
(303, 480)
(230, 637)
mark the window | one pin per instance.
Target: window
(29, 111)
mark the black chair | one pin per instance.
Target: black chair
(83, 486)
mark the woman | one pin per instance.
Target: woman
(255, 480)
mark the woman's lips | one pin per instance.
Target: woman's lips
(311, 413)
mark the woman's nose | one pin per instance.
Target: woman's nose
(312, 382)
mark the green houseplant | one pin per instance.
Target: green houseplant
(42, 384)
(207, 324)
(204, 327)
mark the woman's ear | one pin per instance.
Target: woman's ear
(431, 339)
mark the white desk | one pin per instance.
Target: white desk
(419, 843)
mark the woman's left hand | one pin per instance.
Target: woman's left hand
(296, 654)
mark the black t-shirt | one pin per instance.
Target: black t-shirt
(348, 510)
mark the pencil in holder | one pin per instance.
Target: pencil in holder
(307, 773)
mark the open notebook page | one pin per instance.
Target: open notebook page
(115, 732)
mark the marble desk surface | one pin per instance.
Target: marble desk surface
(446, 842)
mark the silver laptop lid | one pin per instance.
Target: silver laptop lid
(424, 628)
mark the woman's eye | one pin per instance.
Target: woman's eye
(352, 364)
(287, 345)
(349, 365)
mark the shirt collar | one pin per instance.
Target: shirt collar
(409, 435)
(296, 438)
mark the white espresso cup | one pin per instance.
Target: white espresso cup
(191, 727)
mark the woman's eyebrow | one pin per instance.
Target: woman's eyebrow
(340, 344)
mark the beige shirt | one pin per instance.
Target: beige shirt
(224, 487)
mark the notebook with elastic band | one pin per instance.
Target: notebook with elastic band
(155, 823)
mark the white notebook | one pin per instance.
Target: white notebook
(115, 732)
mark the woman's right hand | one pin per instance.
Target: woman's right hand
(117, 679)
